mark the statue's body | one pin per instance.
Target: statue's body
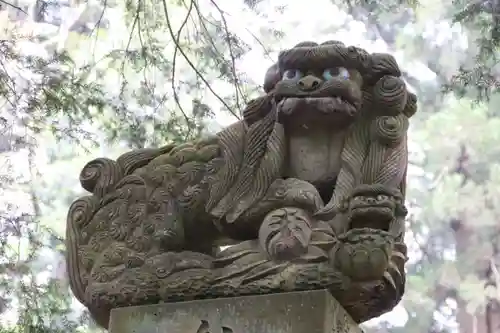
(308, 188)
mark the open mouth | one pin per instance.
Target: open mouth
(376, 212)
(319, 94)
(315, 106)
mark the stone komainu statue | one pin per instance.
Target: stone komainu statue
(308, 188)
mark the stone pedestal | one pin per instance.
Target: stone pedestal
(297, 312)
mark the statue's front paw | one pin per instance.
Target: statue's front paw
(363, 254)
(294, 192)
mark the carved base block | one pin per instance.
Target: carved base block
(296, 312)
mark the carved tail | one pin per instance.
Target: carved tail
(99, 177)
(137, 210)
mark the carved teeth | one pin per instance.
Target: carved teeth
(351, 109)
(372, 199)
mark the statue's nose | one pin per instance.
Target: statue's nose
(309, 83)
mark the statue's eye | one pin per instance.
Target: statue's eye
(292, 74)
(336, 73)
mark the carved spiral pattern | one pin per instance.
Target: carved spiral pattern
(118, 230)
(100, 175)
(128, 218)
(82, 210)
(389, 130)
(79, 215)
(390, 95)
(411, 105)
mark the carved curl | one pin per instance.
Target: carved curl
(100, 175)
(411, 105)
(80, 214)
(389, 130)
(390, 95)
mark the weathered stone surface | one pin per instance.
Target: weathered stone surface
(308, 187)
(296, 312)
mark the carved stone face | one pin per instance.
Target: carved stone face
(286, 233)
(375, 207)
(316, 86)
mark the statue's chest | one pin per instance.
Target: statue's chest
(314, 156)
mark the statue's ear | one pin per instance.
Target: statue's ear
(272, 77)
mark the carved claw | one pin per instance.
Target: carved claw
(394, 268)
(388, 278)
